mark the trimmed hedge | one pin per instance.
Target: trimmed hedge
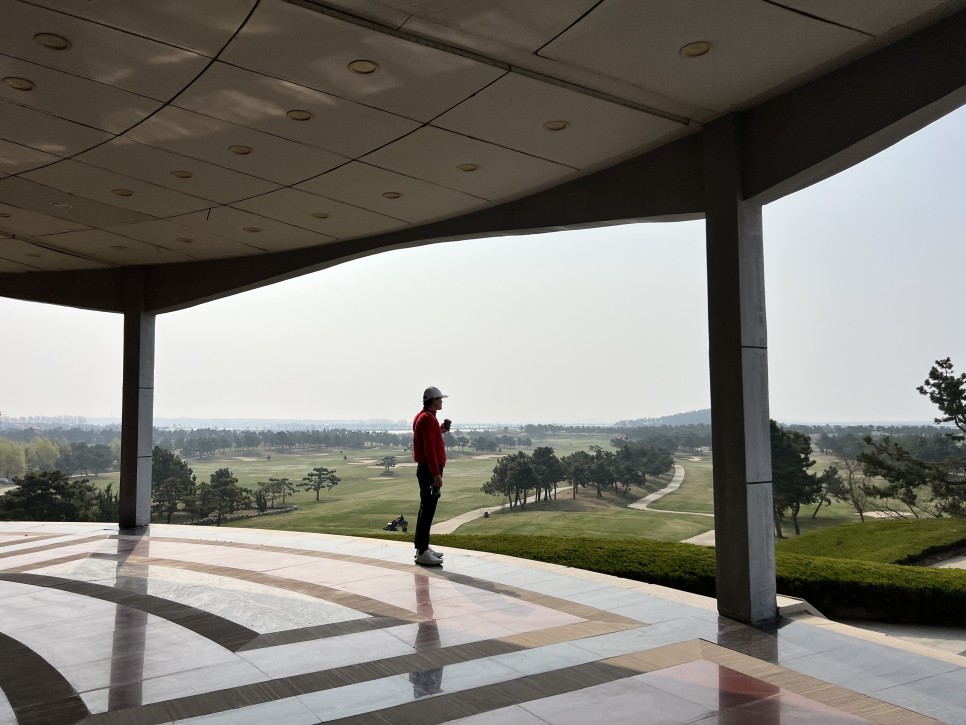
(848, 589)
(679, 566)
(839, 588)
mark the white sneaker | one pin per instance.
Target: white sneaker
(437, 554)
(427, 559)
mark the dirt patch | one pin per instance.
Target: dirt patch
(486, 456)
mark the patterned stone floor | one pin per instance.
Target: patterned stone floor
(203, 625)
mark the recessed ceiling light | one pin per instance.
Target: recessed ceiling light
(19, 84)
(364, 67)
(467, 167)
(556, 125)
(320, 215)
(181, 174)
(185, 240)
(60, 205)
(297, 114)
(118, 247)
(240, 150)
(695, 49)
(251, 230)
(391, 195)
(122, 192)
(52, 41)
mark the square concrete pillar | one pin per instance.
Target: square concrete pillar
(137, 406)
(738, 349)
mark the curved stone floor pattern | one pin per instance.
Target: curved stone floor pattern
(201, 625)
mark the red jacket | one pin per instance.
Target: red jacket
(428, 446)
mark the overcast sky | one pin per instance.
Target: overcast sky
(864, 278)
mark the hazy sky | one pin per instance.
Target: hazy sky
(864, 290)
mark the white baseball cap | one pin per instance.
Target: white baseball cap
(432, 392)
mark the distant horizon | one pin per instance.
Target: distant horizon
(266, 422)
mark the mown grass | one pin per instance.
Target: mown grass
(886, 541)
(365, 500)
(696, 493)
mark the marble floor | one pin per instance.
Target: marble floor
(219, 625)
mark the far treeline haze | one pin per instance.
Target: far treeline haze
(82, 449)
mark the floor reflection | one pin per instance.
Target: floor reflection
(426, 682)
(130, 627)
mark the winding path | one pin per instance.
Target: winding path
(704, 539)
(674, 485)
(450, 525)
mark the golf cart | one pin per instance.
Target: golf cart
(397, 524)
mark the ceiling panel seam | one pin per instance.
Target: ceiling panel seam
(315, 6)
(164, 104)
(102, 24)
(819, 18)
(576, 22)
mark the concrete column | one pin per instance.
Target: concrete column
(137, 405)
(744, 531)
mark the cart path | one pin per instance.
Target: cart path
(674, 485)
(450, 525)
(705, 539)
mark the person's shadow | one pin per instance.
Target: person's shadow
(426, 682)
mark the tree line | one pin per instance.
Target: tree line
(517, 474)
(924, 474)
(43, 454)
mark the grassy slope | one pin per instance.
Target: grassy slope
(886, 541)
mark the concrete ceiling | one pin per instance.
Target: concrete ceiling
(175, 133)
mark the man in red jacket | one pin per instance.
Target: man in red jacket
(429, 452)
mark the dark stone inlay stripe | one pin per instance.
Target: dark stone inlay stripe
(36, 691)
(256, 694)
(48, 547)
(445, 707)
(46, 563)
(224, 632)
(322, 631)
(27, 538)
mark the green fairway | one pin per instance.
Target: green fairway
(695, 493)
(365, 500)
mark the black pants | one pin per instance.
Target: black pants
(428, 498)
